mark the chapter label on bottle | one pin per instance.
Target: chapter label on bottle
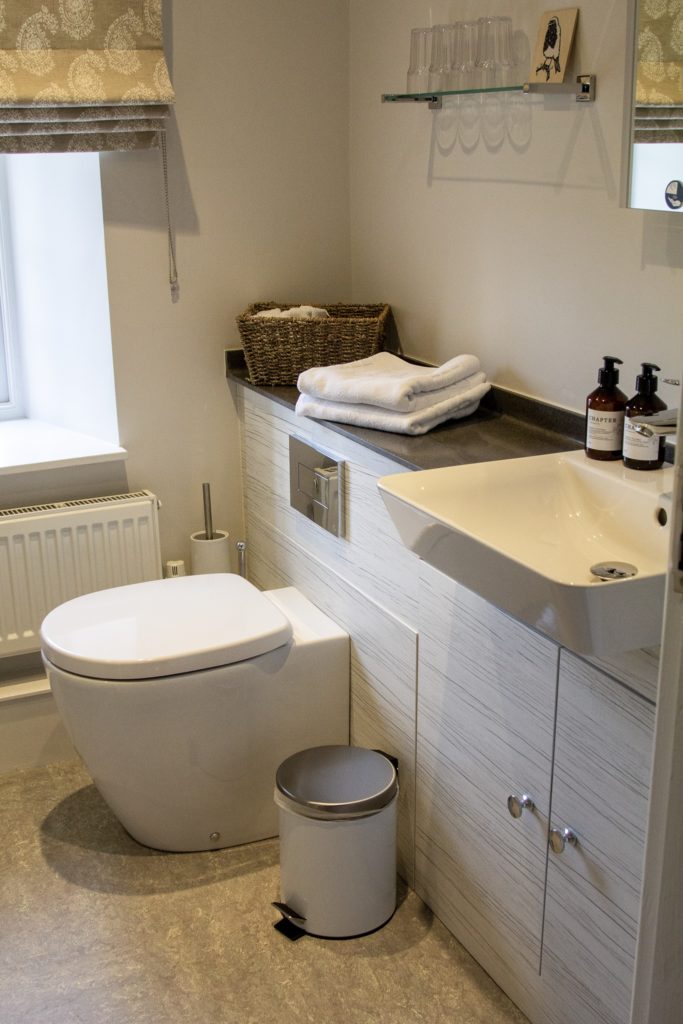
(638, 446)
(604, 430)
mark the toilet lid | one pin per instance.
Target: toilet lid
(163, 627)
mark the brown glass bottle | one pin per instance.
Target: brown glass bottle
(605, 414)
(640, 451)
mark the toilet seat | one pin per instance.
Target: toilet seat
(163, 627)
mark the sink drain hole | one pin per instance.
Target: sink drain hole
(613, 570)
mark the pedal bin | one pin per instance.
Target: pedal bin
(337, 816)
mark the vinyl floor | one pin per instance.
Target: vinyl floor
(95, 929)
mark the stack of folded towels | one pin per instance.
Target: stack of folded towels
(387, 393)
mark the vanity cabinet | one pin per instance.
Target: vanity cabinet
(504, 712)
(479, 708)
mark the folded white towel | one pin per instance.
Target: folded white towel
(294, 313)
(416, 422)
(384, 380)
(428, 399)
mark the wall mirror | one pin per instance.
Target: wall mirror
(656, 123)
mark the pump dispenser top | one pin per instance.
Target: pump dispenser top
(605, 414)
(641, 452)
(646, 382)
(608, 375)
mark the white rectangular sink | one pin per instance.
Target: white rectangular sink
(524, 534)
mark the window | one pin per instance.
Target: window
(4, 371)
(10, 404)
(56, 365)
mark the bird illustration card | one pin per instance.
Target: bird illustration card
(553, 45)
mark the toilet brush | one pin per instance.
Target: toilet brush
(208, 525)
(209, 550)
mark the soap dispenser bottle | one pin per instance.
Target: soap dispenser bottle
(641, 451)
(605, 414)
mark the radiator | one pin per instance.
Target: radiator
(51, 553)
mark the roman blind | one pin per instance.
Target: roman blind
(85, 75)
(659, 74)
(82, 75)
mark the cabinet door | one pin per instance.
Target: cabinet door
(600, 791)
(486, 700)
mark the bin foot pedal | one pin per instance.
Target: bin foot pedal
(290, 923)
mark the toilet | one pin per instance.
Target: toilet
(183, 696)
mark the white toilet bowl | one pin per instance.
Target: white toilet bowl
(184, 695)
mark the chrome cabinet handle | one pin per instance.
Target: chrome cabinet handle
(558, 838)
(518, 804)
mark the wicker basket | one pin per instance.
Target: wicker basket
(277, 351)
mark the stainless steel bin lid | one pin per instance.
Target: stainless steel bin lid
(338, 780)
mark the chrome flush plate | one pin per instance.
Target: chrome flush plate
(316, 485)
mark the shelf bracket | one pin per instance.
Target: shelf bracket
(434, 100)
(583, 88)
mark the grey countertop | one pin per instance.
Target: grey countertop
(506, 426)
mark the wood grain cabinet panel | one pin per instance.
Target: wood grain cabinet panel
(370, 554)
(601, 782)
(366, 580)
(486, 700)
(383, 662)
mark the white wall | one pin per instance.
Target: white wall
(518, 252)
(259, 190)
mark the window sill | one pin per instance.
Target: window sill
(28, 445)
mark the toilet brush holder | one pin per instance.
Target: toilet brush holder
(209, 555)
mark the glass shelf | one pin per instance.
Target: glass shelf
(583, 88)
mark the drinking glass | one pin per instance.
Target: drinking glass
(420, 53)
(495, 66)
(505, 51)
(463, 68)
(440, 62)
(465, 75)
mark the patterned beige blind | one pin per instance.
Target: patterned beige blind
(82, 75)
(659, 77)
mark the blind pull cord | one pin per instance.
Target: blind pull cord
(172, 268)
